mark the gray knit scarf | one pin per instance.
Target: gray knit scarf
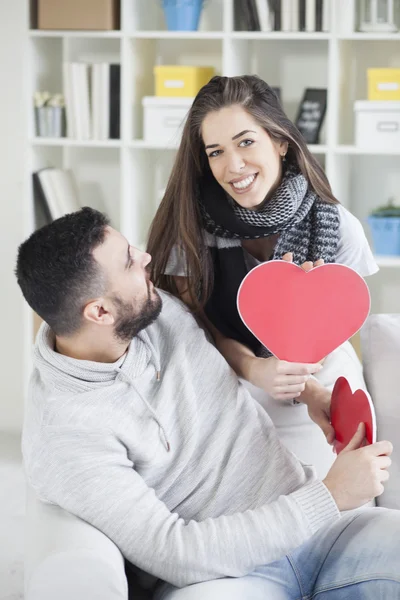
(307, 227)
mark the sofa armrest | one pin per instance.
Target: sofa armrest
(68, 558)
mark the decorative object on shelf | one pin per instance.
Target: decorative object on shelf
(384, 223)
(377, 16)
(377, 125)
(78, 14)
(164, 118)
(181, 80)
(383, 84)
(182, 15)
(311, 114)
(49, 114)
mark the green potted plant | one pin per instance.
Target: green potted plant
(384, 223)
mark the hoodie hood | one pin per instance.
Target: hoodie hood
(70, 374)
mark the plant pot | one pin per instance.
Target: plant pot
(182, 15)
(385, 235)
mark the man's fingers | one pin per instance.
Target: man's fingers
(384, 462)
(380, 448)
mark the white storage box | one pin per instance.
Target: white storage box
(164, 118)
(377, 125)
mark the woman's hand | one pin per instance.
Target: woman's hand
(280, 379)
(307, 266)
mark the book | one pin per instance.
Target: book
(286, 15)
(302, 15)
(318, 14)
(310, 15)
(264, 15)
(295, 15)
(254, 20)
(56, 193)
(277, 14)
(114, 101)
(42, 213)
(326, 15)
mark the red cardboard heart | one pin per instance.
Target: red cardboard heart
(299, 316)
(348, 410)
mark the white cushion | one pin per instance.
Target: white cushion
(380, 341)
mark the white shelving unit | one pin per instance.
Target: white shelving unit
(124, 177)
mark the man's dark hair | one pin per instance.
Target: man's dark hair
(56, 270)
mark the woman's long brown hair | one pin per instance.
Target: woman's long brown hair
(177, 221)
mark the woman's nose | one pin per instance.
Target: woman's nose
(235, 163)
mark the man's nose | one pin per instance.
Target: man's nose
(146, 258)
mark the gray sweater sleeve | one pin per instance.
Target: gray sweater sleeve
(90, 474)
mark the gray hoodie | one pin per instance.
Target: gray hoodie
(168, 454)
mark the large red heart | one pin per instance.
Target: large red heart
(348, 410)
(299, 316)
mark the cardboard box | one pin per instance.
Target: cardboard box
(78, 14)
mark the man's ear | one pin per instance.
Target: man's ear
(99, 312)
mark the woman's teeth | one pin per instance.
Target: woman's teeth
(241, 185)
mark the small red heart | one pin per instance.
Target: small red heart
(348, 410)
(299, 316)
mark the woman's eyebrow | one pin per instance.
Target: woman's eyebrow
(235, 137)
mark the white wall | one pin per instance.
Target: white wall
(12, 156)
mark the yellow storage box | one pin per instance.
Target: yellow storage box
(383, 84)
(177, 80)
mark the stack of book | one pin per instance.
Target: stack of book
(55, 194)
(92, 100)
(282, 15)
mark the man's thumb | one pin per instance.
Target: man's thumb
(357, 439)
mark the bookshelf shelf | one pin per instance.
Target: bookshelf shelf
(82, 33)
(279, 35)
(371, 37)
(179, 35)
(71, 143)
(388, 261)
(365, 151)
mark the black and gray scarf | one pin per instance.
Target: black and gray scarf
(307, 227)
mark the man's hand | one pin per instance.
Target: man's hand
(358, 473)
(318, 400)
(281, 379)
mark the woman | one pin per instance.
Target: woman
(245, 189)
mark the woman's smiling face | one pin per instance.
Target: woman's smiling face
(243, 158)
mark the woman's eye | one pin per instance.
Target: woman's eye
(214, 154)
(245, 143)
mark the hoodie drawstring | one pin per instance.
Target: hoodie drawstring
(151, 410)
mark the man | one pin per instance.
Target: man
(136, 424)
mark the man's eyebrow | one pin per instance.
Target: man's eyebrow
(235, 137)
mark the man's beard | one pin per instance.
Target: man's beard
(128, 324)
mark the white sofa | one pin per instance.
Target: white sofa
(67, 558)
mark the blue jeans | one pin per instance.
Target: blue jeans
(356, 558)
